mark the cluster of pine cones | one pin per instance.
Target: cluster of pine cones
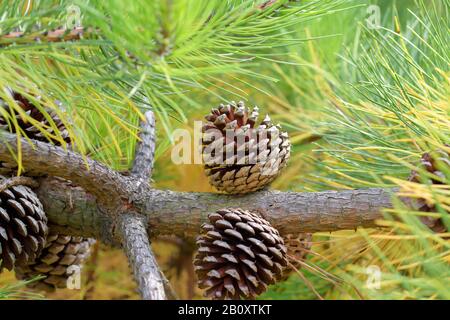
(27, 245)
(239, 252)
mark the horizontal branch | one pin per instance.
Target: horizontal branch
(91, 210)
(182, 213)
(107, 185)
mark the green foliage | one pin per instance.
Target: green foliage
(399, 103)
(16, 291)
(161, 58)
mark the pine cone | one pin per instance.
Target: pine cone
(297, 250)
(29, 128)
(239, 254)
(60, 253)
(241, 157)
(23, 226)
(30, 109)
(429, 163)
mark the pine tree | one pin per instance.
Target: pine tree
(360, 110)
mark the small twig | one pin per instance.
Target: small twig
(266, 4)
(137, 248)
(145, 149)
(57, 35)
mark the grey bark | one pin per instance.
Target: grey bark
(145, 148)
(152, 283)
(110, 188)
(142, 260)
(182, 213)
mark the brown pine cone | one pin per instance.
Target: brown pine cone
(29, 128)
(298, 247)
(60, 251)
(429, 162)
(59, 255)
(239, 255)
(241, 156)
(23, 226)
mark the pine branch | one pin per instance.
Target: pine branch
(152, 283)
(108, 186)
(71, 209)
(145, 149)
(181, 213)
(57, 35)
(142, 260)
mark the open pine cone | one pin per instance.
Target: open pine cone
(23, 226)
(241, 156)
(29, 128)
(60, 251)
(239, 255)
(59, 255)
(429, 163)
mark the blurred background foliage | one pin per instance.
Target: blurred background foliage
(361, 106)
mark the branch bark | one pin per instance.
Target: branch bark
(145, 149)
(110, 188)
(142, 260)
(70, 208)
(152, 283)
